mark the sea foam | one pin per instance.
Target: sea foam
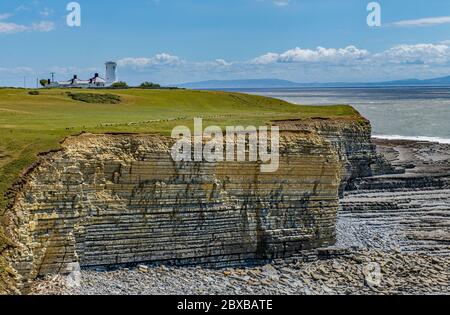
(418, 138)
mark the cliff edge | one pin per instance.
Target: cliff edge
(120, 199)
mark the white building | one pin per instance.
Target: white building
(111, 68)
(94, 82)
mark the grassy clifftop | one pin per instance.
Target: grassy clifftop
(30, 124)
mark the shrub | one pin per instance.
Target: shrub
(119, 85)
(43, 82)
(95, 98)
(149, 85)
(34, 93)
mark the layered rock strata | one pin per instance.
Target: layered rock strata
(121, 199)
(410, 211)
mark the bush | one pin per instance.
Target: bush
(149, 85)
(95, 98)
(43, 82)
(119, 85)
(34, 93)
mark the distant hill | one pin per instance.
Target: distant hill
(276, 83)
(435, 81)
(230, 84)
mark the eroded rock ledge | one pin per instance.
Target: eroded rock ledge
(120, 199)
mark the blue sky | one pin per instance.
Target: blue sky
(174, 41)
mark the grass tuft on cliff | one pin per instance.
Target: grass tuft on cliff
(31, 124)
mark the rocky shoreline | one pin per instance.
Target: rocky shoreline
(393, 237)
(348, 274)
(408, 211)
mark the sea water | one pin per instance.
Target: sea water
(416, 113)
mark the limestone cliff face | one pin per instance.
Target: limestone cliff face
(9, 279)
(119, 199)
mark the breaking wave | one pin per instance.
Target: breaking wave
(419, 138)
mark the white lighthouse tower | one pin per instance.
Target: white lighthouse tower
(110, 72)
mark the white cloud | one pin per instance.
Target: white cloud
(4, 16)
(46, 12)
(167, 61)
(223, 62)
(415, 54)
(23, 7)
(349, 63)
(212, 64)
(422, 22)
(281, 3)
(43, 26)
(159, 59)
(266, 59)
(69, 71)
(17, 71)
(11, 28)
(431, 54)
(320, 54)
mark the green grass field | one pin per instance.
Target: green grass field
(30, 124)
